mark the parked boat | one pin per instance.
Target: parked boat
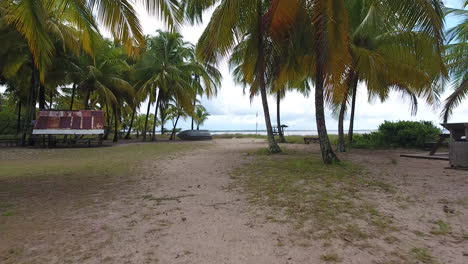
(195, 135)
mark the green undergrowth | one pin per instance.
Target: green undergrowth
(322, 201)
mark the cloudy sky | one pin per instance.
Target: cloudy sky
(231, 109)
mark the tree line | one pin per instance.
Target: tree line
(273, 46)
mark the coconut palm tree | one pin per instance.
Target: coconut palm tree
(457, 61)
(200, 115)
(29, 17)
(231, 21)
(386, 56)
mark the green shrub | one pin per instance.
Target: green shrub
(405, 134)
(7, 123)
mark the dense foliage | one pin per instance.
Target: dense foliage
(406, 134)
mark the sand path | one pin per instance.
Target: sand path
(176, 210)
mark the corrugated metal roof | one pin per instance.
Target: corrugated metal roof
(70, 120)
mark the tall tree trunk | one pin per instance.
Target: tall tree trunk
(198, 126)
(31, 104)
(72, 96)
(146, 119)
(116, 124)
(272, 145)
(194, 105)
(51, 100)
(107, 131)
(127, 136)
(174, 128)
(354, 85)
(278, 119)
(341, 141)
(42, 97)
(163, 116)
(86, 100)
(18, 120)
(328, 155)
(153, 138)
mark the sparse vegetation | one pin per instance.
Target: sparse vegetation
(441, 228)
(331, 257)
(423, 255)
(313, 196)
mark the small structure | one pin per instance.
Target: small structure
(277, 130)
(458, 147)
(80, 122)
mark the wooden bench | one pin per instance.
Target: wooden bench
(307, 140)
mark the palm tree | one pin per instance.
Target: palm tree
(232, 20)
(329, 23)
(119, 17)
(386, 56)
(165, 69)
(457, 60)
(200, 115)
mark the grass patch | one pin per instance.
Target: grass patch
(299, 188)
(441, 228)
(423, 255)
(330, 257)
(82, 162)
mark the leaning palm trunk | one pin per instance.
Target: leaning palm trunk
(127, 136)
(153, 138)
(354, 84)
(278, 119)
(328, 155)
(272, 145)
(174, 128)
(146, 120)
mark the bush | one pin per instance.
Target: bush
(405, 134)
(7, 123)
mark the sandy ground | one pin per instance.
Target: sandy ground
(179, 210)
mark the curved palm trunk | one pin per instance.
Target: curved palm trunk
(272, 145)
(146, 120)
(354, 85)
(153, 138)
(127, 136)
(328, 155)
(174, 128)
(278, 119)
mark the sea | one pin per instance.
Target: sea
(286, 132)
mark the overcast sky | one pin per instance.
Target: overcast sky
(231, 109)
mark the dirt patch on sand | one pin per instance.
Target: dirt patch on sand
(179, 210)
